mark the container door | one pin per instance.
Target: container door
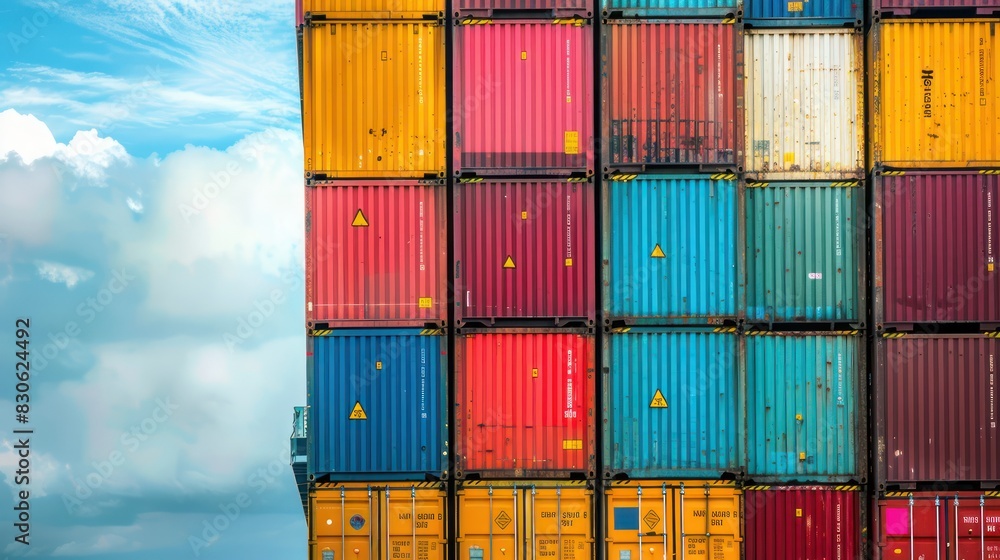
(912, 529)
(637, 520)
(977, 528)
(343, 523)
(561, 522)
(488, 522)
(708, 523)
(415, 524)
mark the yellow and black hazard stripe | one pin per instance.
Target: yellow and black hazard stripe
(845, 183)
(989, 171)
(723, 176)
(431, 332)
(619, 330)
(893, 335)
(893, 173)
(728, 21)
(724, 329)
(569, 21)
(470, 179)
(992, 493)
(992, 334)
(752, 185)
(321, 332)
(757, 487)
(475, 21)
(897, 494)
(577, 179)
(844, 333)
(758, 332)
(847, 488)
(622, 177)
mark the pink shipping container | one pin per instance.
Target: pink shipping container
(524, 250)
(536, 8)
(376, 254)
(524, 403)
(884, 8)
(931, 525)
(672, 94)
(937, 403)
(300, 18)
(524, 101)
(802, 522)
(937, 237)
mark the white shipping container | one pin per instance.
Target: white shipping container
(805, 104)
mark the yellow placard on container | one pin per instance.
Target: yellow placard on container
(795, 6)
(425, 303)
(571, 142)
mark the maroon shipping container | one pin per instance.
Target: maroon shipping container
(937, 237)
(524, 97)
(524, 403)
(802, 522)
(524, 250)
(883, 8)
(672, 94)
(938, 407)
(537, 8)
(376, 254)
(945, 525)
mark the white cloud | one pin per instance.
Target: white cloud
(45, 469)
(62, 274)
(25, 136)
(134, 205)
(107, 543)
(89, 155)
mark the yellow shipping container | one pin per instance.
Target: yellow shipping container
(652, 520)
(935, 96)
(510, 520)
(358, 521)
(374, 9)
(374, 99)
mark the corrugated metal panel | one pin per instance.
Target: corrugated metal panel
(505, 519)
(797, 522)
(376, 253)
(963, 525)
(667, 8)
(365, 521)
(785, 13)
(906, 7)
(377, 404)
(805, 104)
(936, 99)
(299, 14)
(936, 244)
(524, 250)
(671, 92)
(672, 404)
(374, 99)
(373, 9)
(670, 244)
(524, 97)
(562, 8)
(804, 256)
(525, 403)
(803, 418)
(690, 520)
(938, 409)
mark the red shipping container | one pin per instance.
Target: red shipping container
(524, 101)
(300, 18)
(938, 409)
(560, 8)
(907, 7)
(937, 235)
(802, 522)
(524, 403)
(524, 250)
(929, 525)
(376, 254)
(672, 93)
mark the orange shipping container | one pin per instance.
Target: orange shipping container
(373, 9)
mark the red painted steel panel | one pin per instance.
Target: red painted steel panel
(376, 253)
(524, 97)
(926, 525)
(299, 14)
(941, 408)
(582, 8)
(802, 522)
(671, 92)
(940, 239)
(525, 403)
(524, 250)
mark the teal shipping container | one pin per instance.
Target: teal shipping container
(672, 8)
(377, 404)
(672, 403)
(805, 415)
(805, 252)
(671, 249)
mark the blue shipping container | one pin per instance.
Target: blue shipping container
(670, 246)
(803, 13)
(672, 403)
(671, 8)
(377, 404)
(803, 422)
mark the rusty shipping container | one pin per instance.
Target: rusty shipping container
(918, 525)
(524, 249)
(885, 8)
(316, 10)
(525, 403)
(693, 520)
(803, 522)
(536, 8)
(936, 246)
(936, 102)
(805, 104)
(523, 101)
(378, 521)
(937, 403)
(507, 519)
(672, 93)
(374, 99)
(376, 254)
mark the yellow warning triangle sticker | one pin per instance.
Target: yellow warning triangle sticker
(359, 219)
(658, 400)
(358, 413)
(509, 263)
(657, 252)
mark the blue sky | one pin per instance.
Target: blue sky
(151, 229)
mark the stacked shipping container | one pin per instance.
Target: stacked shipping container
(934, 154)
